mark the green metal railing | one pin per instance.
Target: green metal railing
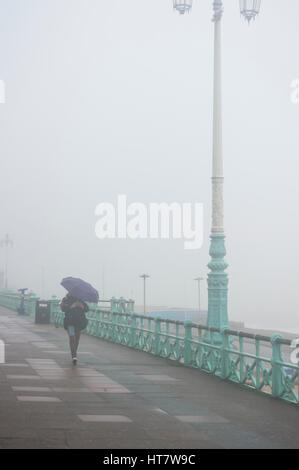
(254, 361)
(12, 300)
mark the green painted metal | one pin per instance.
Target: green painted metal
(217, 288)
(30, 304)
(238, 356)
(157, 335)
(277, 374)
(10, 299)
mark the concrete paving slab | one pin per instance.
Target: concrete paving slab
(105, 418)
(43, 399)
(202, 419)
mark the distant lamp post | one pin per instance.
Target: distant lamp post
(144, 277)
(250, 9)
(6, 242)
(198, 279)
(182, 6)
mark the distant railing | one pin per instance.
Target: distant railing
(12, 300)
(253, 361)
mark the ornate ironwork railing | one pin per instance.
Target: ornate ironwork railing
(258, 362)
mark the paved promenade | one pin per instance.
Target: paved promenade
(120, 398)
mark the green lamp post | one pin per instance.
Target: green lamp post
(217, 277)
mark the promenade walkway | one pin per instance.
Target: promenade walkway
(117, 397)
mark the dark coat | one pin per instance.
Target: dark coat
(74, 312)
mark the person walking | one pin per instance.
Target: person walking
(74, 321)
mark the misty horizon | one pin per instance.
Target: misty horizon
(92, 113)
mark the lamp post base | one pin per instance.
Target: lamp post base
(217, 289)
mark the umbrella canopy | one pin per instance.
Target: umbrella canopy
(80, 289)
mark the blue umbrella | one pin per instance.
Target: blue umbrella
(80, 289)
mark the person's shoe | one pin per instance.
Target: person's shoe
(74, 361)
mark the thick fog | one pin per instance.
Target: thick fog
(115, 97)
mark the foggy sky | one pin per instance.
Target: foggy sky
(115, 97)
